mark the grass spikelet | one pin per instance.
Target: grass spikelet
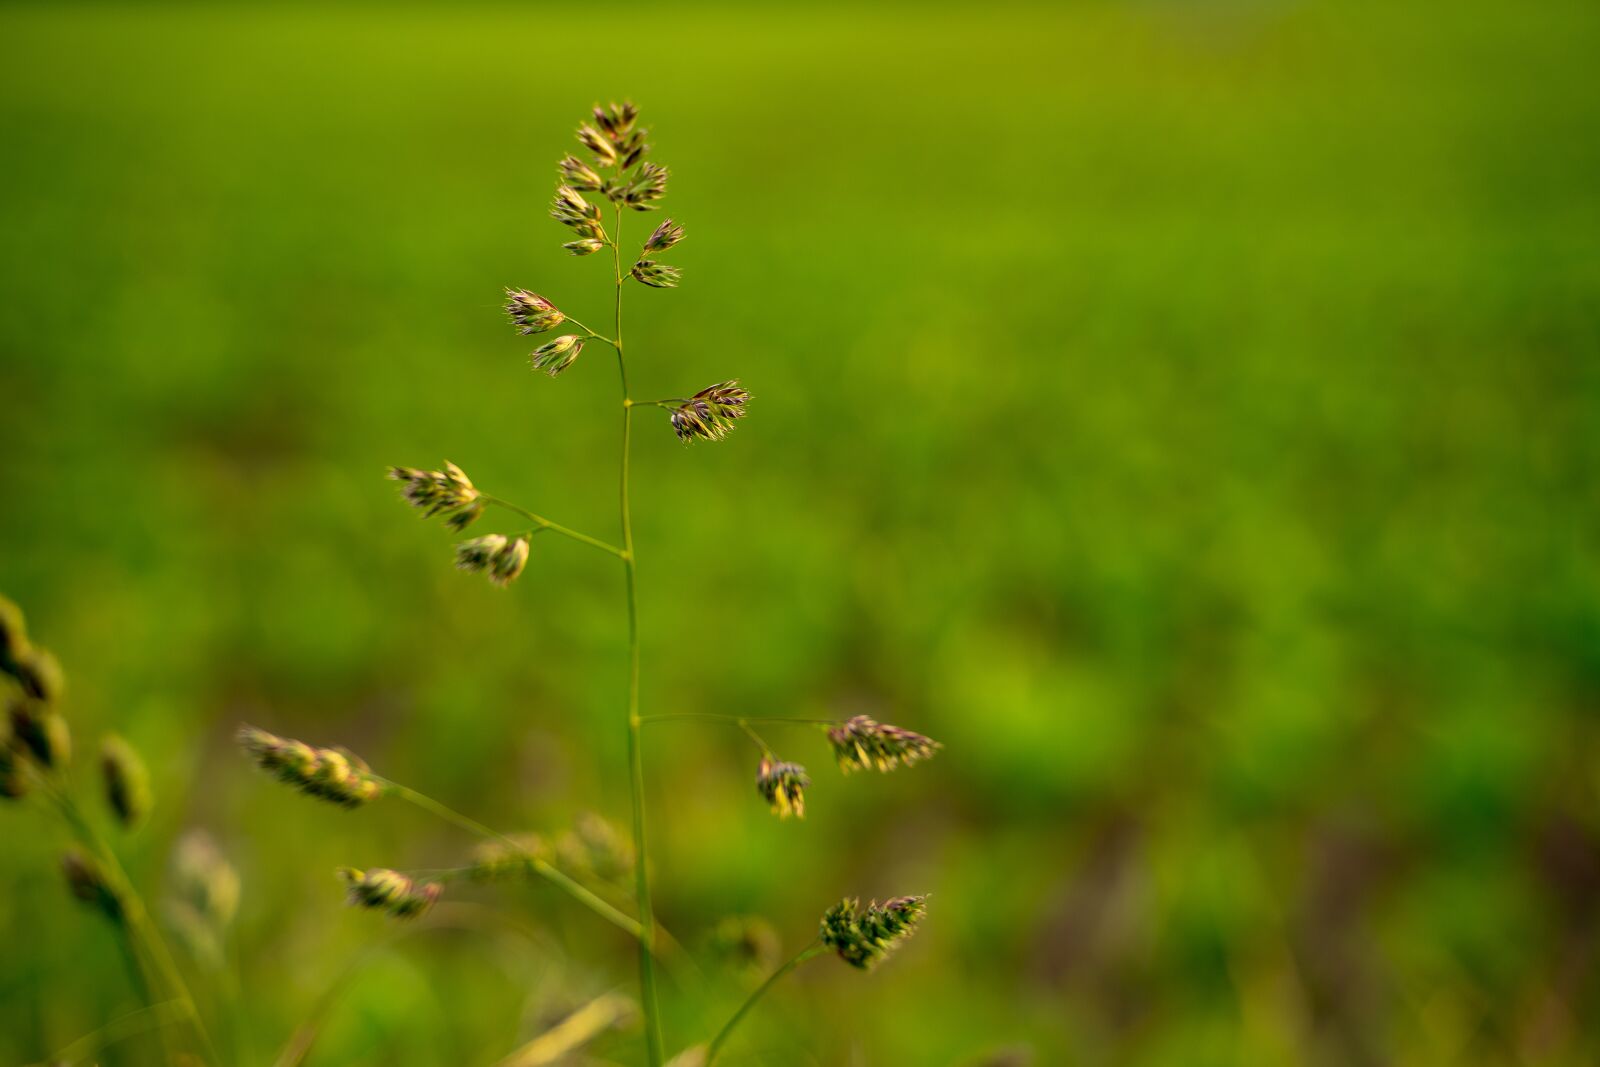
(381, 889)
(327, 774)
(864, 937)
(709, 415)
(436, 492)
(783, 786)
(860, 744)
(126, 780)
(87, 881)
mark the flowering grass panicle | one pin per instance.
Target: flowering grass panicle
(657, 275)
(381, 889)
(860, 744)
(556, 356)
(531, 312)
(436, 492)
(502, 558)
(710, 414)
(783, 786)
(329, 774)
(864, 937)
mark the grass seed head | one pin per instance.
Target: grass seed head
(13, 776)
(656, 275)
(588, 246)
(647, 186)
(334, 775)
(571, 210)
(532, 312)
(864, 937)
(502, 558)
(860, 744)
(556, 356)
(604, 149)
(381, 889)
(578, 175)
(710, 414)
(665, 236)
(436, 492)
(204, 881)
(783, 786)
(494, 861)
(127, 781)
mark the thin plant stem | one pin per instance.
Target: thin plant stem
(766, 750)
(591, 333)
(542, 868)
(554, 527)
(810, 951)
(734, 720)
(647, 918)
(139, 1021)
(145, 939)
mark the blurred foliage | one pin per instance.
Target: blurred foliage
(1185, 411)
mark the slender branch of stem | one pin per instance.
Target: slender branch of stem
(138, 1021)
(142, 934)
(541, 867)
(766, 750)
(810, 951)
(647, 918)
(554, 527)
(591, 333)
(735, 720)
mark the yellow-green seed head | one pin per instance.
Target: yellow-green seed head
(531, 312)
(860, 744)
(864, 937)
(656, 275)
(436, 492)
(384, 890)
(588, 246)
(665, 236)
(334, 775)
(577, 174)
(127, 781)
(494, 861)
(783, 786)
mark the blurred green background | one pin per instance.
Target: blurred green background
(1184, 411)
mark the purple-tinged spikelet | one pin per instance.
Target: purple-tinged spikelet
(556, 356)
(648, 186)
(127, 781)
(710, 413)
(665, 236)
(571, 210)
(605, 152)
(435, 492)
(532, 312)
(860, 744)
(328, 774)
(384, 890)
(863, 937)
(783, 786)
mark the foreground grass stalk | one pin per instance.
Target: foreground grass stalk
(647, 918)
(542, 868)
(811, 951)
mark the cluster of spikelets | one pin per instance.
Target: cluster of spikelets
(381, 889)
(859, 744)
(330, 774)
(863, 937)
(37, 742)
(710, 413)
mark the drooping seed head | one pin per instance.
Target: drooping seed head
(87, 881)
(710, 414)
(468, 515)
(127, 781)
(501, 557)
(588, 246)
(783, 785)
(35, 670)
(860, 744)
(384, 890)
(436, 492)
(578, 175)
(665, 236)
(532, 312)
(656, 275)
(334, 775)
(864, 937)
(556, 356)
(41, 732)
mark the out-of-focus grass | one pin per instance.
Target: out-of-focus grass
(1184, 411)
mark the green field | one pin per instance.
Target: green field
(1187, 412)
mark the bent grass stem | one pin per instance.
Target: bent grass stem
(811, 951)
